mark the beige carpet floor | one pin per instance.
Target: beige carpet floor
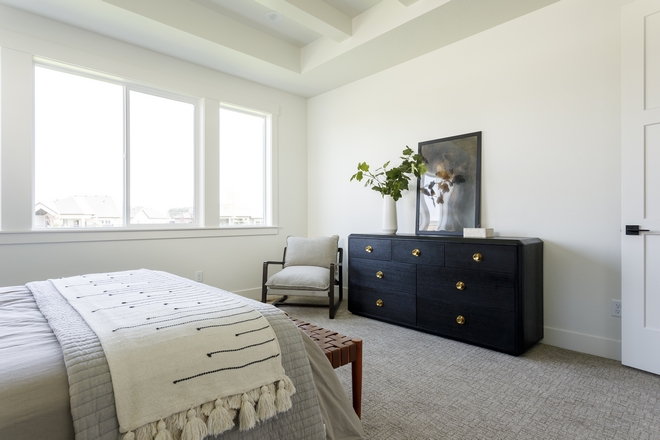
(420, 386)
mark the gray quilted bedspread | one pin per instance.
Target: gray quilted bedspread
(90, 384)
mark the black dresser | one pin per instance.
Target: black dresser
(487, 292)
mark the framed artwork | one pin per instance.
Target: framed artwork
(448, 194)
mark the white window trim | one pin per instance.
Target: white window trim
(268, 158)
(71, 235)
(128, 87)
(17, 204)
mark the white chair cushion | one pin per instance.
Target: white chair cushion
(300, 278)
(320, 251)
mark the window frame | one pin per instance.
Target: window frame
(198, 221)
(268, 188)
(17, 206)
(127, 87)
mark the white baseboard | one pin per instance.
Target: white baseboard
(584, 343)
(595, 345)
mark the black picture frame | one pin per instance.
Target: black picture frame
(449, 193)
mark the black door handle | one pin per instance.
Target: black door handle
(634, 230)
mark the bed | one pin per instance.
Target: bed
(48, 393)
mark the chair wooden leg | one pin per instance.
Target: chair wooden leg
(264, 289)
(331, 303)
(331, 293)
(334, 306)
(333, 309)
(281, 300)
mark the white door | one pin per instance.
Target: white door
(640, 185)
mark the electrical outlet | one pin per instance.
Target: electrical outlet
(616, 308)
(199, 276)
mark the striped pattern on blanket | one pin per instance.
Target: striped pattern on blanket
(92, 400)
(178, 350)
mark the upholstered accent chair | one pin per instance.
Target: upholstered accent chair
(310, 267)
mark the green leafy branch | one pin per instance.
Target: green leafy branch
(391, 182)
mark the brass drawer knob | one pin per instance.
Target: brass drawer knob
(369, 249)
(379, 274)
(477, 257)
(460, 285)
(416, 252)
(379, 303)
(460, 319)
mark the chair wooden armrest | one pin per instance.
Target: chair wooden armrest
(264, 289)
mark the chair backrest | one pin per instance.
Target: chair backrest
(319, 251)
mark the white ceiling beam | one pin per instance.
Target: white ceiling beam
(194, 19)
(407, 3)
(316, 15)
(371, 24)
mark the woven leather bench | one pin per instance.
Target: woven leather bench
(340, 350)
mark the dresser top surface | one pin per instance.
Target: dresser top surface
(452, 238)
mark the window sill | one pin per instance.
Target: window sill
(96, 234)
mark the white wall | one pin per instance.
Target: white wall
(545, 91)
(232, 262)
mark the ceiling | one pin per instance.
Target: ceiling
(305, 47)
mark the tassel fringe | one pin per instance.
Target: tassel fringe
(247, 417)
(235, 401)
(266, 405)
(215, 417)
(144, 433)
(163, 433)
(283, 399)
(207, 408)
(195, 428)
(254, 395)
(289, 385)
(221, 419)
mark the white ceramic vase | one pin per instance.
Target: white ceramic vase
(389, 215)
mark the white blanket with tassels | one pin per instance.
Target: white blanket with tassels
(177, 350)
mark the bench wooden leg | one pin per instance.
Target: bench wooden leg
(340, 350)
(356, 373)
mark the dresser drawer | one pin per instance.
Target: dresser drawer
(481, 288)
(483, 326)
(418, 252)
(368, 248)
(381, 305)
(496, 258)
(383, 275)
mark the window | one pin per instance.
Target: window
(79, 150)
(109, 154)
(162, 153)
(244, 191)
(114, 154)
